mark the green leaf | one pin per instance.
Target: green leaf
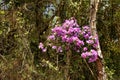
(2, 12)
(1, 32)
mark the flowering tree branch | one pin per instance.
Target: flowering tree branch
(70, 37)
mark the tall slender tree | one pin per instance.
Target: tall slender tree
(101, 75)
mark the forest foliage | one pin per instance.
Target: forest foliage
(26, 23)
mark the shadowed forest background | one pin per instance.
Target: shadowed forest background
(26, 23)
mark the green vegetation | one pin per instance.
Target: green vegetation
(25, 23)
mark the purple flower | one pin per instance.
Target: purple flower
(44, 50)
(55, 29)
(41, 46)
(54, 47)
(70, 23)
(86, 27)
(70, 30)
(90, 37)
(66, 24)
(85, 49)
(59, 49)
(89, 33)
(75, 38)
(73, 22)
(83, 55)
(94, 56)
(95, 45)
(90, 41)
(69, 40)
(72, 35)
(94, 52)
(86, 54)
(86, 36)
(83, 32)
(78, 30)
(64, 38)
(79, 43)
(59, 31)
(74, 31)
(51, 37)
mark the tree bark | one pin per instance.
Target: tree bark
(101, 75)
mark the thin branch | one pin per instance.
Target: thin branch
(2, 57)
(90, 69)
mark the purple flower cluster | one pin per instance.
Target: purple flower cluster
(74, 38)
(41, 46)
(92, 54)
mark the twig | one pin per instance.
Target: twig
(90, 69)
(1, 56)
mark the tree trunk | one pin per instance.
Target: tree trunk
(101, 75)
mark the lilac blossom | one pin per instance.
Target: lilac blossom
(70, 23)
(86, 28)
(70, 34)
(89, 33)
(51, 37)
(59, 49)
(54, 47)
(79, 43)
(59, 31)
(75, 38)
(86, 36)
(66, 24)
(41, 46)
(44, 49)
(95, 45)
(69, 40)
(85, 48)
(90, 41)
(64, 38)
(83, 55)
(78, 30)
(94, 56)
(70, 30)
